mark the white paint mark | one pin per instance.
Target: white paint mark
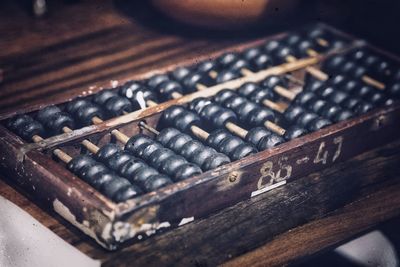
(186, 220)
(114, 83)
(267, 188)
(140, 100)
(302, 160)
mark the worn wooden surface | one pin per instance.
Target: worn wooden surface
(78, 45)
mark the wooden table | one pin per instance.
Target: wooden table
(77, 46)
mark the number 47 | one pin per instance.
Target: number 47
(323, 152)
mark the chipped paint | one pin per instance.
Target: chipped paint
(61, 209)
(186, 220)
(302, 160)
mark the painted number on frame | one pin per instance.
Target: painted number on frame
(324, 154)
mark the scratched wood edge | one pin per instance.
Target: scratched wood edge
(325, 233)
(251, 223)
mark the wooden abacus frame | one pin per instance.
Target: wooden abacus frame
(111, 224)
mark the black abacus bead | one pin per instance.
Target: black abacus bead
(180, 73)
(131, 91)
(303, 46)
(222, 117)
(261, 94)
(274, 80)
(294, 132)
(83, 172)
(127, 193)
(394, 89)
(198, 104)
(155, 182)
(318, 105)
(343, 115)
(58, 121)
(146, 150)
(103, 96)
(117, 160)
(190, 148)
(364, 91)
(30, 129)
(271, 46)
(334, 64)
(170, 165)
(216, 137)
(363, 107)
(223, 95)
(16, 122)
(239, 64)
(193, 79)
(259, 116)
(116, 106)
(227, 75)
(245, 109)
(159, 156)
(155, 80)
(255, 135)
(102, 178)
(248, 88)
(293, 112)
(131, 168)
(351, 103)
(242, 151)
(306, 118)
(338, 97)
(166, 135)
(141, 175)
(115, 185)
(331, 111)
(178, 141)
(234, 102)
(185, 121)
(351, 86)
(46, 114)
(199, 156)
(318, 123)
(305, 97)
(210, 111)
(282, 52)
(263, 61)
(86, 113)
(170, 114)
(227, 59)
(270, 141)
(376, 98)
(215, 161)
(207, 66)
(338, 80)
(312, 84)
(78, 162)
(251, 53)
(76, 104)
(106, 152)
(167, 88)
(228, 145)
(135, 143)
(94, 171)
(326, 91)
(293, 39)
(186, 171)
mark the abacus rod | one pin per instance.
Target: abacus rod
(236, 129)
(274, 127)
(275, 106)
(86, 143)
(199, 133)
(64, 157)
(148, 128)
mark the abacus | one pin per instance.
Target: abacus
(177, 144)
